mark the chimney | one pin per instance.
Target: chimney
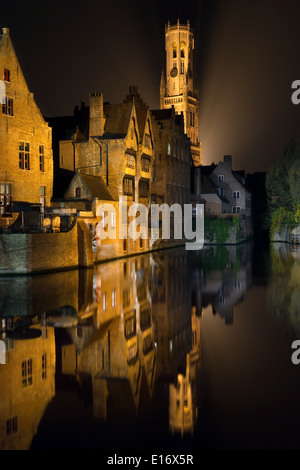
(5, 31)
(228, 160)
(96, 114)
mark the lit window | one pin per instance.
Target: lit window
(42, 158)
(113, 298)
(104, 302)
(24, 155)
(6, 190)
(8, 106)
(174, 51)
(182, 50)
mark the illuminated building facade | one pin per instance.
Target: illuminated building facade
(110, 154)
(177, 88)
(26, 165)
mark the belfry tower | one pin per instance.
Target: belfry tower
(177, 89)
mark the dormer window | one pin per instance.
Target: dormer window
(221, 178)
(6, 75)
(78, 192)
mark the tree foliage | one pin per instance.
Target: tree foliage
(283, 188)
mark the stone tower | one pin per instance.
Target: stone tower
(177, 88)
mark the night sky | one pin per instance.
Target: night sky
(246, 58)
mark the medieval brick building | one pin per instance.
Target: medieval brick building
(26, 163)
(171, 173)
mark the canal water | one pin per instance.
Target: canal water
(172, 351)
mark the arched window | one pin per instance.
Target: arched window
(174, 51)
(78, 192)
(182, 49)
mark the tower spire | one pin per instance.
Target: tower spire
(177, 89)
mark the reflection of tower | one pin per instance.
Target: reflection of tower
(178, 88)
(182, 411)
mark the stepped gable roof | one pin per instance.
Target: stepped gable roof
(140, 106)
(135, 97)
(117, 120)
(96, 187)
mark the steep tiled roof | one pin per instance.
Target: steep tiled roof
(96, 187)
(207, 187)
(117, 120)
(141, 114)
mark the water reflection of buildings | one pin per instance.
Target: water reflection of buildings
(113, 344)
(171, 298)
(224, 285)
(177, 328)
(125, 329)
(27, 384)
(183, 410)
